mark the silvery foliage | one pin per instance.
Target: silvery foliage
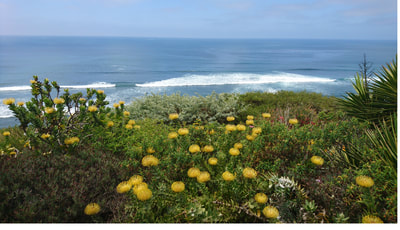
(211, 108)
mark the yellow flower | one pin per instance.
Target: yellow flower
(58, 100)
(124, 187)
(71, 140)
(238, 145)
(126, 113)
(249, 122)
(183, 131)
(203, 177)
(213, 161)
(230, 128)
(8, 101)
(139, 187)
(150, 160)
(241, 127)
(33, 81)
(364, 181)
(249, 173)
(211, 132)
(208, 149)
(173, 116)
(116, 105)
(172, 135)
(135, 180)
(266, 115)
(144, 194)
(128, 126)
(100, 91)
(121, 102)
(82, 99)
(20, 103)
(369, 219)
(293, 121)
(251, 137)
(6, 133)
(194, 148)
(257, 130)
(92, 209)
(110, 124)
(261, 198)
(250, 117)
(317, 160)
(193, 172)
(234, 151)
(230, 118)
(45, 136)
(270, 212)
(227, 176)
(131, 122)
(49, 110)
(150, 150)
(178, 186)
(92, 108)
(136, 127)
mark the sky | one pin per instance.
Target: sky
(298, 19)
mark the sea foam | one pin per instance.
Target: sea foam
(93, 85)
(234, 79)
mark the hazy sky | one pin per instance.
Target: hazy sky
(335, 19)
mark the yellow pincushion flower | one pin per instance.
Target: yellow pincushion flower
(92, 209)
(251, 137)
(183, 131)
(100, 91)
(110, 124)
(293, 121)
(92, 108)
(172, 135)
(369, 219)
(71, 140)
(266, 115)
(249, 173)
(136, 126)
(150, 150)
(150, 160)
(230, 118)
(32, 81)
(208, 148)
(6, 133)
(241, 127)
(144, 194)
(124, 187)
(135, 180)
(364, 181)
(131, 122)
(238, 145)
(126, 113)
(317, 160)
(230, 128)
(49, 110)
(116, 105)
(193, 172)
(261, 198)
(257, 130)
(234, 151)
(227, 176)
(82, 99)
(178, 186)
(203, 177)
(128, 126)
(270, 212)
(45, 136)
(121, 102)
(194, 148)
(250, 117)
(173, 116)
(212, 161)
(249, 122)
(211, 132)
(58, 100)
(139, 187)
(20, 103)
(8, 101)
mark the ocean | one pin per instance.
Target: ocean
(129, 68)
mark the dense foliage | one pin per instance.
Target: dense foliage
(255, 157)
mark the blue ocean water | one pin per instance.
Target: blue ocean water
(128, 68)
